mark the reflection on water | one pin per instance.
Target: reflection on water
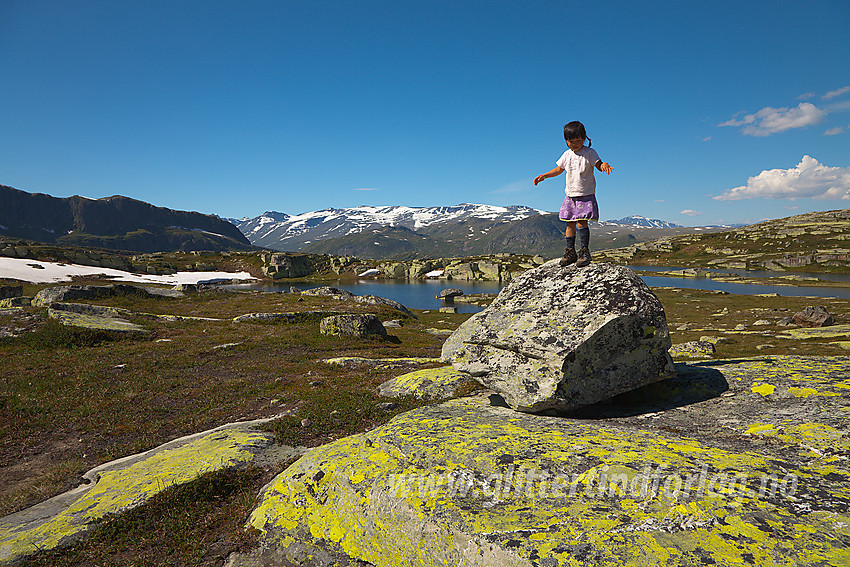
(421, 294)
(417, 294)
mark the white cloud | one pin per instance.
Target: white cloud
(514, 187)
(810, 179)
(691, 213)
(834, 131)
(805, 96)
(840, 106)
(707, 138)
(771, 120)
(367, 189)
(836, 92)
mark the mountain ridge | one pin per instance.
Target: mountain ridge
(467, 228)
(116, 222)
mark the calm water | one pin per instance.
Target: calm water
(422, 294)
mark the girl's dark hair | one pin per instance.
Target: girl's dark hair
(575, 129)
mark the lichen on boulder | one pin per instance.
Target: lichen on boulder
(357, 325)
(442, 382)
(730, 476)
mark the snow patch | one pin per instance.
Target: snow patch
(52, 272)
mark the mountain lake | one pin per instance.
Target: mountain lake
(422, 294)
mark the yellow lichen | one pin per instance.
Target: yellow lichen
(123, 487)
(763, 389)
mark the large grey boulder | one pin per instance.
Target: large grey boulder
(559, 338)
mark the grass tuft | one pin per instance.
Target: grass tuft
(54, 334)
(337, 414)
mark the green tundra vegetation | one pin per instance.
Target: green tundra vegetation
(73, 398)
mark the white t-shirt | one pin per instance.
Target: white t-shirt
(578, 167)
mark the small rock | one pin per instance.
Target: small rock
(387, 406)
(714, 340)
(761, 323)
(814, 317)
(448, 309)
(701, 349)
(439, 332)
(741, 327)
(762, 347)
(352, 326)
(9, 291)
(306, 422)
(684, 327)
(450, 293)
(327, 291)
(316, 383)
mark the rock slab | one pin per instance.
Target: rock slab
(558, 338)
(122, 484)
(443, 382)
(736, 475)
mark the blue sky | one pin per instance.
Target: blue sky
(709, 112)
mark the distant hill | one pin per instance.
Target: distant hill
(816, 241)
(403, 233)
(117, 223)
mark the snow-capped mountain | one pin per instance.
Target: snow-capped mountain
(281, 231)
(637, 220)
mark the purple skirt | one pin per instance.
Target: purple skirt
(579, 208)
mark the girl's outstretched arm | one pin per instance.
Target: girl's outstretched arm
(605, 167)
(557, 171)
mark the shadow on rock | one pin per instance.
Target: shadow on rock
(693, 384)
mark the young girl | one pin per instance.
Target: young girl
(580, 203)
